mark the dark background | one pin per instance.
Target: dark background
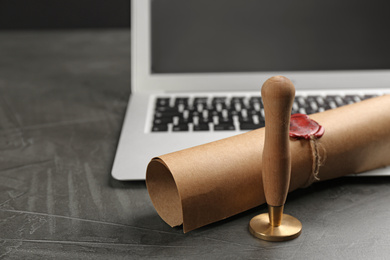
(64, 14)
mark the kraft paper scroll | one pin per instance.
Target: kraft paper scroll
(210, 182)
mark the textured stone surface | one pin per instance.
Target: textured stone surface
(62, 101)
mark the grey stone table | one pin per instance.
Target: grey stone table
(62, 101)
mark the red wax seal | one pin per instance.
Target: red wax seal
(301, 126)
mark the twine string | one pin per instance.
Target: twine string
(316, 159)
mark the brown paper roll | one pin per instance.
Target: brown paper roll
(210, 182)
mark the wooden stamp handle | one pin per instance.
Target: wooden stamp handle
(278, 96)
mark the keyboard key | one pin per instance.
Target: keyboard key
(250, 126)
(213, 113)
(255, 106)
(181, 100)
(177, 128)
(369, 96)
(318, 100)
(224, 113)
(233, 112)
(160, 128)
(162, 102)
(221, 100)
(193, 113)
(247, 119)
(350, 99)
(218, 107)
(166, 109)
(225, 120)
(300, 101)
(200, 100)
(254, 112)
(255, 100)
(295, 108)
(237, 106)
(181, 104)
(201, 127)
(310, 111)
(162, 121)
(203, 120)
(200, 107)
(335, 100)
(237, 100)
(313, 105)
(302, 110)
(257, 120)
(339, 101)
(184, 121)
(165, 115)
(221, 127)
(332, 104)
(312, 98)
(186, 115)
(327, 106)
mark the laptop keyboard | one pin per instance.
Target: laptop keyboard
(222, 113)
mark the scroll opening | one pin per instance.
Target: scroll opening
(164, 193)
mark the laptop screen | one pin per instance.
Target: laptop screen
(192, 36)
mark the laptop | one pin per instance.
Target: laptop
(197, 67)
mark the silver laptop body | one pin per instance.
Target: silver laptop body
(138, 143)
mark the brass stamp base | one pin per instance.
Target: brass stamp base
(260, 227)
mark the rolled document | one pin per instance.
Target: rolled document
(211, 182)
